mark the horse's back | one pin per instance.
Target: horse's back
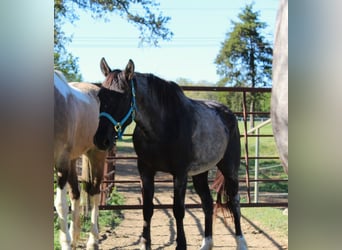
(62, 129)
(76, 115)
(87, 113)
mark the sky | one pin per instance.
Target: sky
(199, 28)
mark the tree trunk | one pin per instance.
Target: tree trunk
(253, 75)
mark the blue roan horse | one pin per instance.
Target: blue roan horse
(173, 134)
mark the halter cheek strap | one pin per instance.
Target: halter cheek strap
(118, 124)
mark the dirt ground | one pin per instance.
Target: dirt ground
(127, 234)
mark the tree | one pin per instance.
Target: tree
(68, 64)
(152, 26)
(245, 57)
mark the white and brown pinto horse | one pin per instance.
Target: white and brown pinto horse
(76, 112)
(279, 105)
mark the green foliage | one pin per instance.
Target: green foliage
(64, 61)
(199, 95)
(56, 245)
(232, 99)
(245, 58)
(68, 65)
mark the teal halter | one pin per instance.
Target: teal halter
(131, 112)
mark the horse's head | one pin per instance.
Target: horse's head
(117, 104)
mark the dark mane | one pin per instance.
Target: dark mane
(171, 106)
(167, 94)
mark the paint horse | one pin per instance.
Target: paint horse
(173, 134)
(76, 111)
(279, 99)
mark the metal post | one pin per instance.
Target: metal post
(256, 167)
(244, 108)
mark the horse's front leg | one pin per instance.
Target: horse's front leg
(62, 208)
(147, 193)
(179, 209)
(75, 225)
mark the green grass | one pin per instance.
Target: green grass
(270, 219)
(268, 169)
(112, 218)
(56, 244)
(267, 145)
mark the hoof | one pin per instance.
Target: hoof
(144, 245)
(92, 246)
(65, 247)
(241, 243)
(207, 243)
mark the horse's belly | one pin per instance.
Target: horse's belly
(196, 168)
(207, 158)
(209, 149)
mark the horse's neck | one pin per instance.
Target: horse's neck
(148, 114)
(157, 119)
(147, 119)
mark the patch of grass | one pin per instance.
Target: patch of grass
(112, 218)
(271, 219)
(269, 168)
(267, 146)
(56, 244)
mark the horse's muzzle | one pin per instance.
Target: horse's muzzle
(104, 143)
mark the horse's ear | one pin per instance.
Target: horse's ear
(129, 71)
(104, 67)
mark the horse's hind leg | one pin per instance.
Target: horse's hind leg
(75, 225)
(234, 207)
(231, 187)
(201, 186)
(94, 160)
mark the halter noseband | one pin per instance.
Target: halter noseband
(131, 112)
